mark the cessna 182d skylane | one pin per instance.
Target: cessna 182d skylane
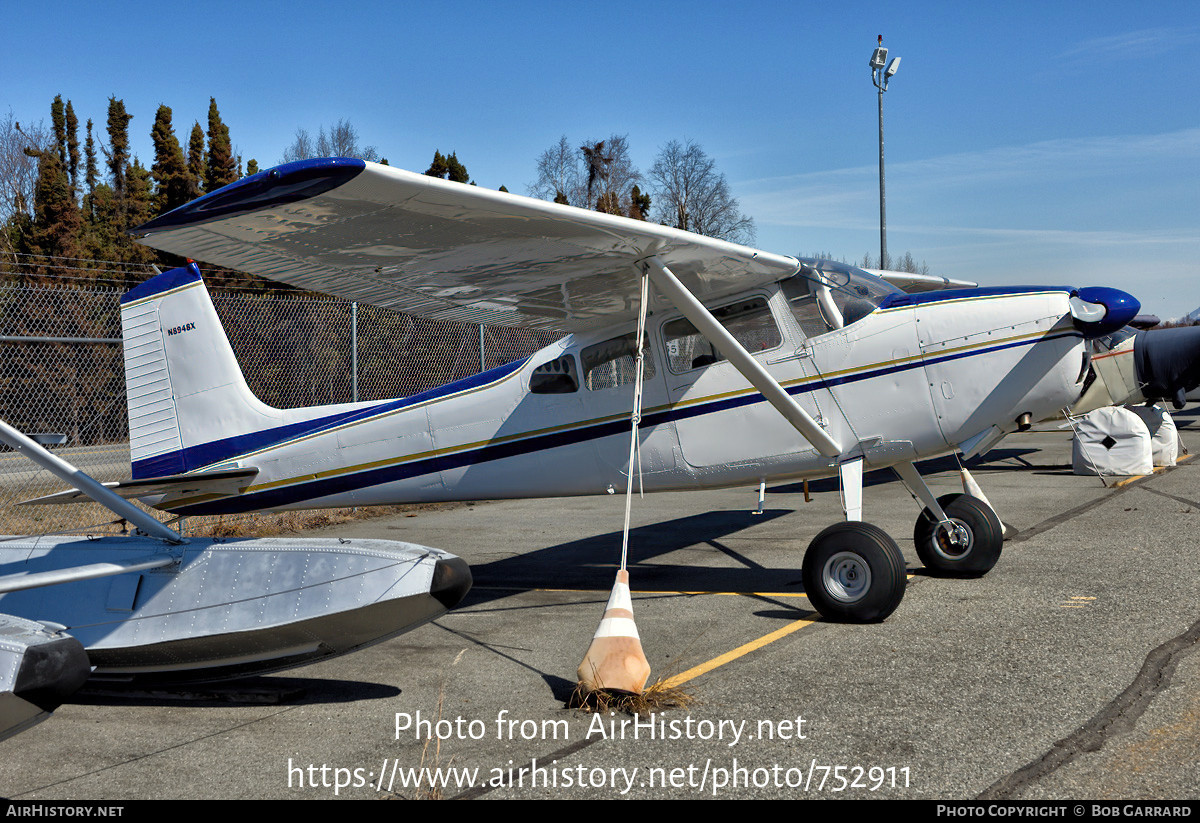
(757, 366)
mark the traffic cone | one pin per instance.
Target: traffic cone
(615, 660)
(972, 488)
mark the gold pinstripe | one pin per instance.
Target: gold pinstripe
(392, 461)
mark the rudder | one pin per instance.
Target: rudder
(184, 386)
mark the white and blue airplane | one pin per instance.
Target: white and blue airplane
(758, 367)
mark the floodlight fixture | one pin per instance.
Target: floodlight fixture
(880, 77)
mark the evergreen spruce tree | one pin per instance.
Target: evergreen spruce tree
(57, 225)
(59, 119)
(73, 147)
(438, 167)
(448, 168)
(196, 162)
(639, 204)
(252, 167)
(222, 166)
(90, 175)
(139, 207)
(118, 145)
(169, 171)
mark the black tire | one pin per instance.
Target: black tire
(985, 538)
(854, 573)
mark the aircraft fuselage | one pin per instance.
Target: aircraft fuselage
(919, 376)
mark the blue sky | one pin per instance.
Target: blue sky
(1025, 142)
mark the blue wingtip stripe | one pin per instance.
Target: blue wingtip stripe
(282, 184)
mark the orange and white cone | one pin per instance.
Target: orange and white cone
(972, 488)
(615, 660)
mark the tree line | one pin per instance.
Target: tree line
(66, 200)
(74, 203)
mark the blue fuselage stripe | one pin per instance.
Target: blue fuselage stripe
(271, 498)
(206, 454)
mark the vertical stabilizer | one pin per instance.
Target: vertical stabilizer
(184, 387)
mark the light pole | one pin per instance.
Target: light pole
(880, 77)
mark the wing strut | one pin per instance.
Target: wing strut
(97, 491)
(742, 360)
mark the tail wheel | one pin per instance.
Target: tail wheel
(854, 573)
(970, 548)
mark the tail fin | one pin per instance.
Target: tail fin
(185, 389)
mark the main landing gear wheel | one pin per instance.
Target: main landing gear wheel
(969, 550)
(854, 573)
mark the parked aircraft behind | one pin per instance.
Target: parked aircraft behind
(757, 366)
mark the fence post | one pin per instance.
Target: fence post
(482, 357)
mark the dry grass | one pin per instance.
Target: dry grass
(434, 760)
(656, 697)
(34, 520)
(270, 524)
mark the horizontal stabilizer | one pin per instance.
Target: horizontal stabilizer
(224, 481)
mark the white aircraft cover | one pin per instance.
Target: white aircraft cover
(1164, 436)
(1111, 441)
(446, 250)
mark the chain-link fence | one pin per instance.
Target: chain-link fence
(62, 373)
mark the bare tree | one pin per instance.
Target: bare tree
(597, 163)
(598, 175)
(19, 169)
(340, 141)
(619, 177)
(559, 175)
(691, 194)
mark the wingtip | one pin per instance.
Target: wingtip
(281, 184)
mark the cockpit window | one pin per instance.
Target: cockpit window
(612, 363)
(556, 377)
(749, 321)
(841, 294)
(803, 303)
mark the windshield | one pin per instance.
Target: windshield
(843, 293)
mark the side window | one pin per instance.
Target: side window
(749, 321)
(803, 304)
(612, 363)
(556, 377)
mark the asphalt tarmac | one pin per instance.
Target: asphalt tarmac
(1068, 672)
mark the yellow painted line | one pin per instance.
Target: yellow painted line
(1081, 597)
(648, 592)
(740, 651)
(1137, 477)
(1073, 605)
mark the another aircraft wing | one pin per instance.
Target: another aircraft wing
(445, 250)
(913, 283)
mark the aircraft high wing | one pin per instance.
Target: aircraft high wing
(759, 366)
(416, 244)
